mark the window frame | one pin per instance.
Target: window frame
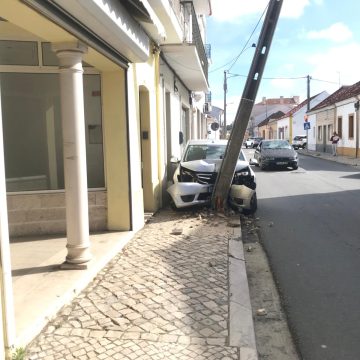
(351, 124)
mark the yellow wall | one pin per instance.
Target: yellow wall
(146, 81)
(115, 149)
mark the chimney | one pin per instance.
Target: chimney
(281, 99)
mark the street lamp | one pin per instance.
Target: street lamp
(227, 75)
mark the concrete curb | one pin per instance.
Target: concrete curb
(339, 159)
(241, 324)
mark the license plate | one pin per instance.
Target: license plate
(281, 163)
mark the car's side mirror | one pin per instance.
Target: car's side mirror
(253, 162)
(181, 137)
(174, 160)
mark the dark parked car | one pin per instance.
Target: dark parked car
(275, 153)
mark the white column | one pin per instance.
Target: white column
(73, 129)
(7, 331)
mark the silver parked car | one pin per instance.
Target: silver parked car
(275, 153)
(299, 142)
(195, 176)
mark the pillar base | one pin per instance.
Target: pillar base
(70, 266)
(78, 254)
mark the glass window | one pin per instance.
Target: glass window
(339, 126)
(351, 126)
(19, 53)
(208, 152)
(49, 58)
(33, 144)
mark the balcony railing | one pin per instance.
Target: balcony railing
(192, 34)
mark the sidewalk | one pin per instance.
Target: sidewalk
(339, 158)
(178, 290)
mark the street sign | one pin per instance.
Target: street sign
(306, 126)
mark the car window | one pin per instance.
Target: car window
(279, 144)
(202, 152)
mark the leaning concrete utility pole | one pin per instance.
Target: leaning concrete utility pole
(227, 169)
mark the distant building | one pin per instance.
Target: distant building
(263, 109)
(338, 112)
(215, 123)
(267, 129)
(292, 123)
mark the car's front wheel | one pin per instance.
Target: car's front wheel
(253, 206)
(262, 165)
(295, 167)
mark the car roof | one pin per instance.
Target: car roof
(273, 140)
(207, 142)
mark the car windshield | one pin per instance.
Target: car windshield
(208, 152)
(299, 137)
(276, 144)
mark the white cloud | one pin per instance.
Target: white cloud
(337, 63)
(337, 32)
(233, 11)
(231, 107)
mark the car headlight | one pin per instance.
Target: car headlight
(187, 175)
(244, 177)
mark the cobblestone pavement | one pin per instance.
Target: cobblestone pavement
(165, 296)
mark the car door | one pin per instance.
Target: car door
(257, 152)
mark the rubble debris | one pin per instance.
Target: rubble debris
(177, 231)
(261, 312)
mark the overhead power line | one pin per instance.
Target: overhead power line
(233, 61)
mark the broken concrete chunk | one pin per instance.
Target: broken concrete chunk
(177, 231)
(233, 224)
(261, 312)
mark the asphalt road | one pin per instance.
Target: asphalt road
(310, 228)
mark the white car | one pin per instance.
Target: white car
(299, 142)
(252, 142)
(195, 176)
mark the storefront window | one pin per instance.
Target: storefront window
(19, 53)
(33, 144)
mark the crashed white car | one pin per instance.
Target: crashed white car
(196, 173)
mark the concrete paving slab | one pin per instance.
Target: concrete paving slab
(41, 288)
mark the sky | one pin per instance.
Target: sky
(320, 38)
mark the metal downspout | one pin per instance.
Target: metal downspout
(6, 289)
(160, 145)
(357, 128)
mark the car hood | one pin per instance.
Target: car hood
(278, 152)
(210, 165)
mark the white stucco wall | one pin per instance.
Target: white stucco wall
(285, 124)
(312, 132)
(344, 110)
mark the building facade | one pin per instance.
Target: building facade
(338, 112)
(292, 123)
(96, 97)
